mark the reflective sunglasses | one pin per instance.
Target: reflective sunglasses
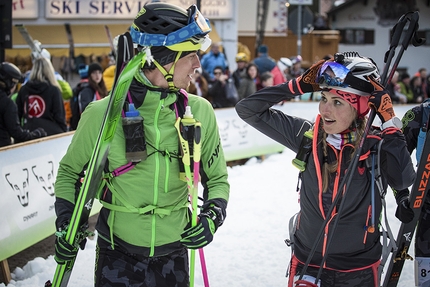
(332, 74)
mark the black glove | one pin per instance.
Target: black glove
(64, 251)
(208, 222)
(404, 212)
(308, 80)
(38, 133)
(380, 100)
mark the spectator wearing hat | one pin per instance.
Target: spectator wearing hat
(284, 64)
(405, 87)
(214, 58)
(96, 88)
(264, 62)
(296, 70)
(242, 61)
(10, 129)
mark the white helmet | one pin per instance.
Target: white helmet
(349, 72)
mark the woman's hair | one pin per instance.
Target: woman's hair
(100, 87)
(43, 71)
(328, 168)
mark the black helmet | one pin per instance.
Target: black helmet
(155, 23)
(10, 75)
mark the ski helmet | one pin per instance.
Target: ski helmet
(348, 72)
(10, 75)
(163, 24)
(241, 57)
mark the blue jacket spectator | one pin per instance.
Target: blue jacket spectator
(264, 62)
(214, 58)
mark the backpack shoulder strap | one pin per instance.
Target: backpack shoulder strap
(388, 240)
(425, 112)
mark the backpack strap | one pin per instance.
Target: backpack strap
(390, 245)
(425, 112)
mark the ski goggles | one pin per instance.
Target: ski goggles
(332, 74)
(196, 31)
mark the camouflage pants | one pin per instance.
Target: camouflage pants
(117, 268)
(367, 277)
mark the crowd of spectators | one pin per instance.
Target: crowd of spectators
(38, 102)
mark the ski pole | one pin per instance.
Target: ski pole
(395, 39)
(196, 159)
(185, 150)
(371, 228)
(352, 166)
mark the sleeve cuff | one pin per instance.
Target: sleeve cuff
(392, 123)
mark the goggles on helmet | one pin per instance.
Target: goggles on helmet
(332, 74)
(198, 27)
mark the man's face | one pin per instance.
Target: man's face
(184, 70)
(217, 73)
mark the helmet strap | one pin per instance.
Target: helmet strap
(168, 75)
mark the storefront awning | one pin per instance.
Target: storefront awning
(88, 39)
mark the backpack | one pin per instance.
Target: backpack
(74, 105)
(425, 112)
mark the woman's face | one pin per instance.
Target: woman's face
(96, 76)
(252, 72)
(336, 113)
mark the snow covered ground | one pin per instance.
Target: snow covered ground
(248, 250)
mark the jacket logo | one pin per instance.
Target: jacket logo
(361, 170)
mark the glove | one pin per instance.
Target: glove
(202, 234)
(380, 100)
(307, 81)
(64, 251)
(38, 133)
(404, 212)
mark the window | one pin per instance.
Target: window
(357, 36)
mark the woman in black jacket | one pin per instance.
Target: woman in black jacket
(349, 85)
(95, 89)
(39, 101)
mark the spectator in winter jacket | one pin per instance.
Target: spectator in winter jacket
(217, 89)
(214, 58)
(39, 101)
(10, 128)
(248, 84)
(145, 226)
(349, 255)
(264, 62)
(240, 73)
(96, 88)
(405, 87)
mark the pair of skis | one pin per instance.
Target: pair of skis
(126, 66)
(188, 128)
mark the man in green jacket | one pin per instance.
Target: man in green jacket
(144, 227)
